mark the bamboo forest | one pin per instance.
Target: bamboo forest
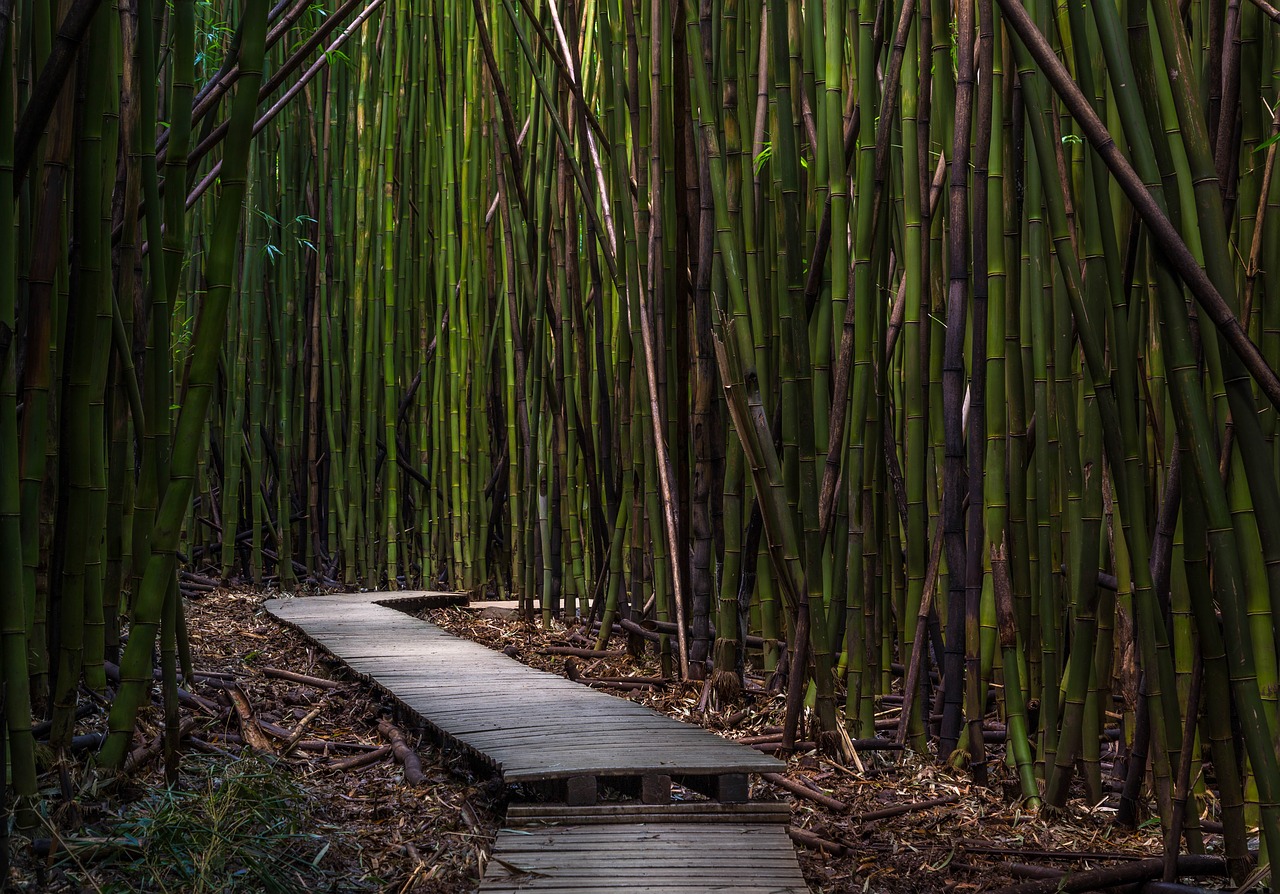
(893, 382)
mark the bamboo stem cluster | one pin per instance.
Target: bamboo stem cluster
(927, 341)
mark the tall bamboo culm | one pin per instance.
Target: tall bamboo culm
(930, 344)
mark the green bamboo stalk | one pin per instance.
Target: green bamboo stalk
(201, 368)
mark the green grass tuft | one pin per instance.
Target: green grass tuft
(241, 826)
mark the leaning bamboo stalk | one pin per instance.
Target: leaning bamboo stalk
(201, 370)
(1167, 237)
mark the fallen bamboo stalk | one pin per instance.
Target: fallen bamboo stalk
(208, 747)
(607, 684)
(776, 745)
(1017, 870)
(752, 641)
(213, 675)
(1127, 873)
(300, 729)
(41, 730)
(803, 791)
(321, 745)
(190, 699)
(316, 682)
(360, 760)
(87, 742)
(981, 847)
(275, 730)
(814, 842)
(877, 745)
(142, 756)
(1175, 888)
(584, 653)
(900, 809)
(644, 633)
(404, 755)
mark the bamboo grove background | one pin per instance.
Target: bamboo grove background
(905, 349)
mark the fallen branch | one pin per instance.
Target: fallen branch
(321, 745)
(615, 684)
(1127, 873)
(316, 682)
(817, 843)
(584, 653)
(906, 808)
(803, 791)
(300, 729)
(144, 755)
(981, 847)
(360, 760)
(404, 754)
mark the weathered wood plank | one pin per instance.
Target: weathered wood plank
(699, 859)
(532, 724)
(535, 727)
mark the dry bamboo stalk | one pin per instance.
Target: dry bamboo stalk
(248, 723)
(360, 760)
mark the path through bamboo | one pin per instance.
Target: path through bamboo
(541, 730)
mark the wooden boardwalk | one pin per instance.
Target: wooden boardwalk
(573, 743)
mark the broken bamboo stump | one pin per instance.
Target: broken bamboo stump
(249, 727)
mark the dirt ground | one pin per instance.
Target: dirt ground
(329, 828)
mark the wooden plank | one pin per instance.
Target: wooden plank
(533, 723)
(675, 812)
(526, 721)
(638, 857)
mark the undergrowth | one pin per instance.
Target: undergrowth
(242, 826)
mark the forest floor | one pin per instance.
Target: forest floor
(239, 821)
(902, 823)
(297, 821)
